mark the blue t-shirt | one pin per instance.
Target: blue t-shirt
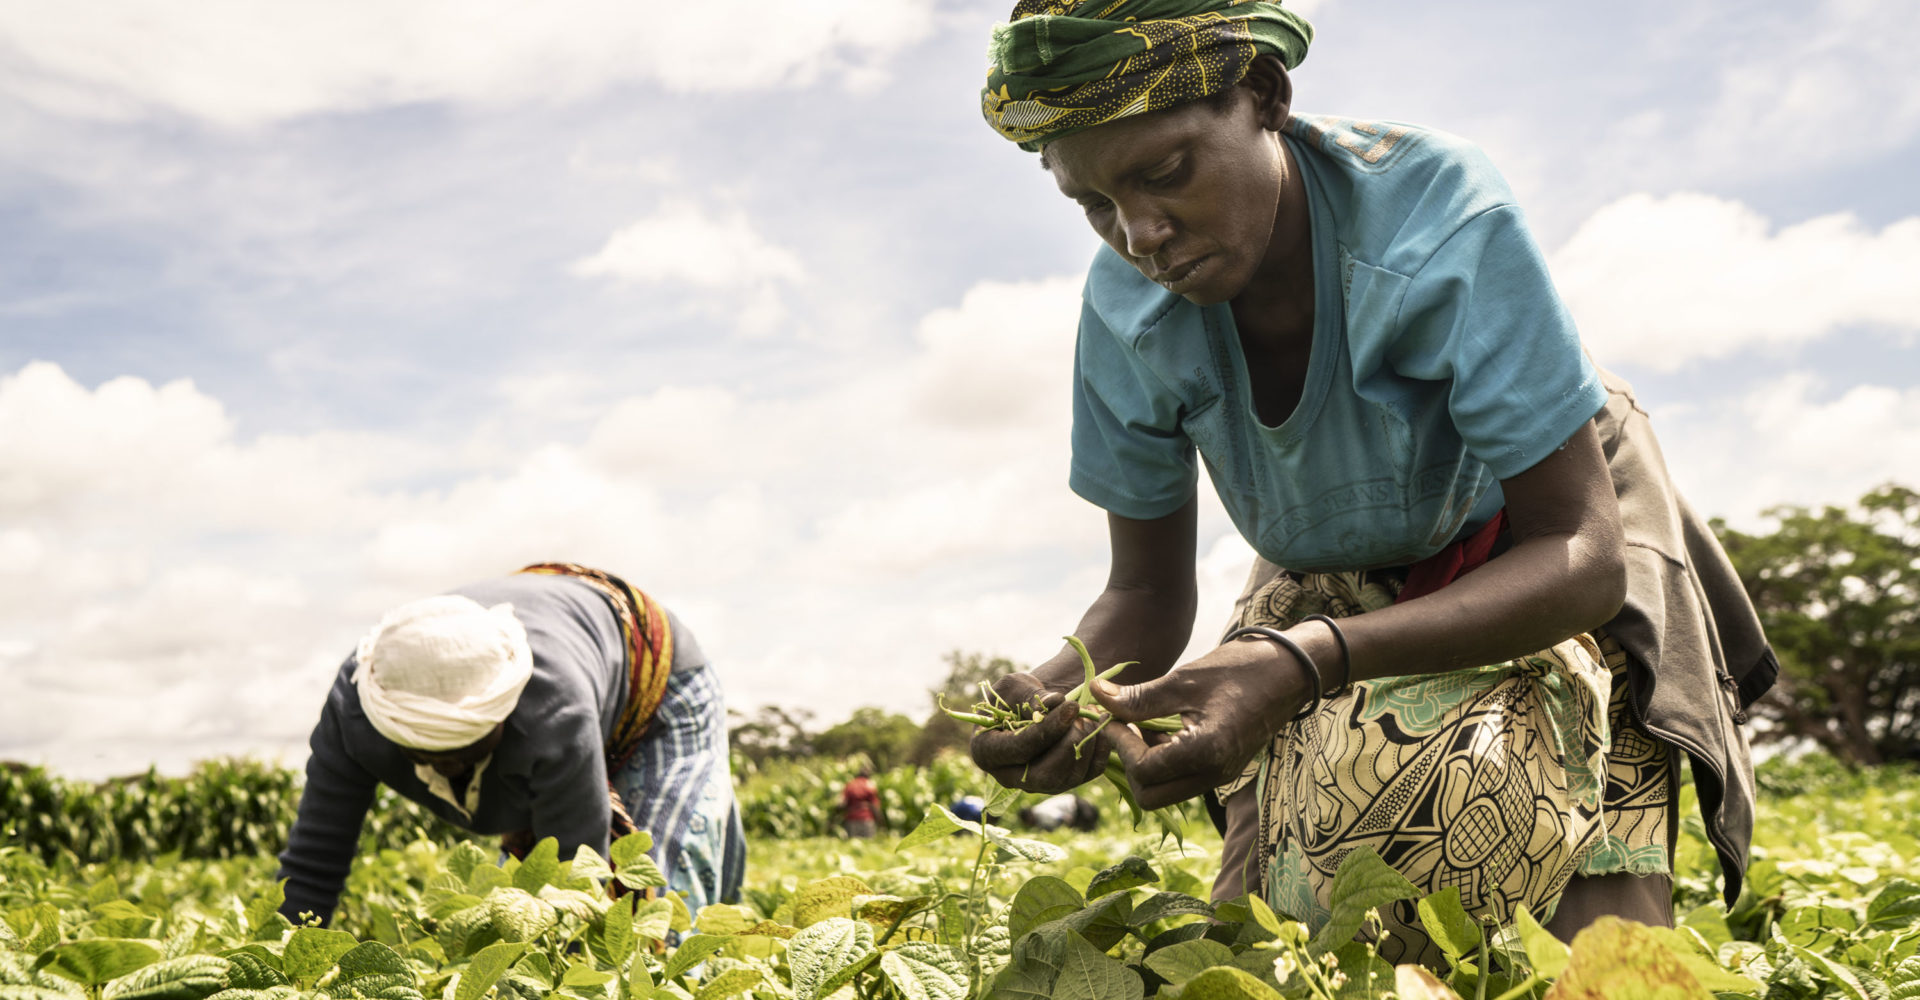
(1442, 362)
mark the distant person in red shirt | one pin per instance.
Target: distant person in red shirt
(860, 805)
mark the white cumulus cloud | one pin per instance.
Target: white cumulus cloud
(684, 246)
(170, 586)
(1666, 282)
(240, 63)
(1792, 440)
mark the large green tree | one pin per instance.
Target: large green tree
(885, 738)
(1838, 591)
(774, 733)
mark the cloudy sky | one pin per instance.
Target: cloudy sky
(310, 308)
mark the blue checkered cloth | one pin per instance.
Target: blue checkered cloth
(677, 786)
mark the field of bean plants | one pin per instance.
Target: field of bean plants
(950, 910)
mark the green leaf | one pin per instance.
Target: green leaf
(1228, 984)
(1001, 802)
(486, 968)
(1089, 973)
(579, 904)
(462, 860)
(926, 972)
(1896, 905)
(189, 978)
(640, 983)
(827, 955)
(634, 845)
(13, 991)
(692, 952)
(375, 972)
(1709, 921)
(120, 918)
(371, 959)
(827, 897)
(640, 872)
(936, 826)
(1043, 898)
(466, 931)
(1546, 953)
(884, 911)
(264, 921)
(1126, 875)
(1178, 963)
(37, 927)
(1363, 882)
(729, 983)
(1263, 917)
(534, 966)
(311, 951)
(1024, 849)
(1817, 926)
(248, 971)
(583, 974)
(1903, 981)
(1033, 965)
(721, 918)
(96, 961)
(1162, 905)
(653, 919)
(486, 878)
(541, 866)
(1103, 923)
(616, 931)
(587, 863)
(517, 915)
(1447, 923)
(1840, 975)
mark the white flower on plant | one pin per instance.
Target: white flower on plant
(1284, 967)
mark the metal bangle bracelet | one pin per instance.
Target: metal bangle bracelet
(1346, 653)
(1262, 631)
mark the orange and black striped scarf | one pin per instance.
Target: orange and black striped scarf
(643, 623)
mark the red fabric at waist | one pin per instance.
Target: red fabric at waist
(1453, 562)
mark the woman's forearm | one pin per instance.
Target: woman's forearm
(1146, 610)
(1537, 594)
(1144, 624)
(1564, 575)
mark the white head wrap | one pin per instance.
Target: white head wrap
(441, 672)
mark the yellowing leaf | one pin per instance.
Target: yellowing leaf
(1412, 982)
(828, 897)
(1615, 959)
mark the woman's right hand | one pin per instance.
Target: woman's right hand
(1040, 757)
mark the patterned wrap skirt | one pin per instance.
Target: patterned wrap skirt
(1504, 781)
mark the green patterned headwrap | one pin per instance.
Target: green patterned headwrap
(1061, 66)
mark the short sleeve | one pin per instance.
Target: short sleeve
(1129, 454)
(1483, 314)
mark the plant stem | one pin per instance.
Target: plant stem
(1533, 979)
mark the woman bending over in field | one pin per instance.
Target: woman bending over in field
(555, 702)
(1483, 626)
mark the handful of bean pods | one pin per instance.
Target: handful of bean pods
(993, 711)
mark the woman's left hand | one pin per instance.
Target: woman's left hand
(1232, 701)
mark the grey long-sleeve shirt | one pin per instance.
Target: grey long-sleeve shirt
(547, 775)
